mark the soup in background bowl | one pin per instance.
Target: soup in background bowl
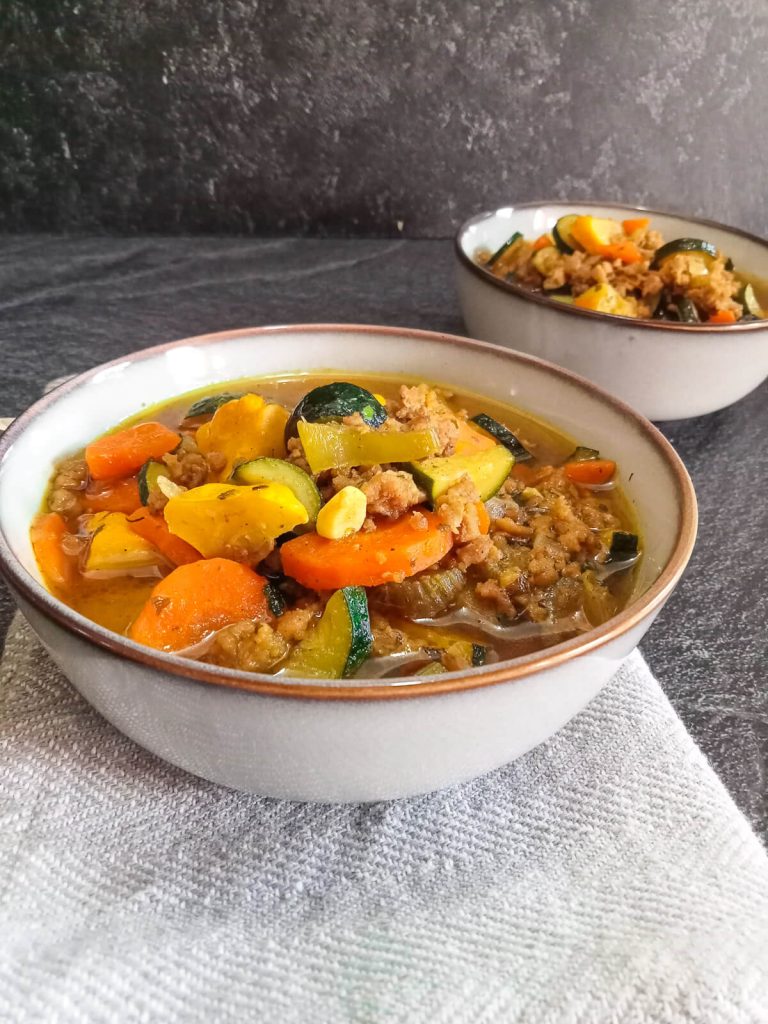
(670, 367)
(460, 702)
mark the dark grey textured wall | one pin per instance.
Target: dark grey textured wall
(375, 116)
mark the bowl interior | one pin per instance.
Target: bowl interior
(70, 417)
(492, 229)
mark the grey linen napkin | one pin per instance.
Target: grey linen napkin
(606, 876)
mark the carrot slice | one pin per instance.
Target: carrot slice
(389, 553)
(196, 599)
(483, 519)
(625, 251)
(722, 316)
(524, 473)
(593, 471)
(155, 530)
(113, 496)
(542, 242)
(633, 224)
(126, 451)
(46, 533)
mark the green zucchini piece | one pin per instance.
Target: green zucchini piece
(275, 599)
(582, 454)
(479, 655)
(487, 469)
(503, 435)
(748, 299)
(542, 257)
(334, 445)
(432, 668)
(332, 402)
(208, 406)
(502, 249)
(338, 644)
(278, 471)
(686, 245)
(567, 300)
(687, 312)
(622, 546)
(561, 233)
(148, 475)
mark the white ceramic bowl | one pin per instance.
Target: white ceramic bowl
(352, 740)
(667, 371)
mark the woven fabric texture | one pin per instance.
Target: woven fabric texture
(604, 877)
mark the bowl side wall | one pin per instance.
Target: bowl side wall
(330, 751)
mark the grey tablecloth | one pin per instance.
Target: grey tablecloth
(606, 876)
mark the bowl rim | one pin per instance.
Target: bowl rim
(563, 308)
(455, 682)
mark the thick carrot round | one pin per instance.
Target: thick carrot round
(155, 530)
(592, 471)
(197, 599)
(46, 533)
(389, 553)
(542, 242)
(722, 316)
(113, 496)
(126, 451)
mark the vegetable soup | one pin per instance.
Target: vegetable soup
(325, 528)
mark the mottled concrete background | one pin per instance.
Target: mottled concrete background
(369, 117)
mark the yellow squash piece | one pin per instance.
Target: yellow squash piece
(594, 233)
(215, 518)
(604, 298)
(244, 429)
(115, 547)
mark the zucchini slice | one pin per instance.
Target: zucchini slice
(748, 299)
(208, 406)
(432, 668)
(147, 478)
(275, 599)
(622, 546)
(502, 249)
(488, 470)
(687, 312)
(277, 471)
(561, 233)
(582, 454)
(696, 246)
(332, 402)
(543, 259)
(503, 435)
(338, 643)
(479, 655)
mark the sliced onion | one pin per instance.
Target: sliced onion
(422, 596)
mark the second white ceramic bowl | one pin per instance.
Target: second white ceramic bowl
(351, 739)
(668, 371)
